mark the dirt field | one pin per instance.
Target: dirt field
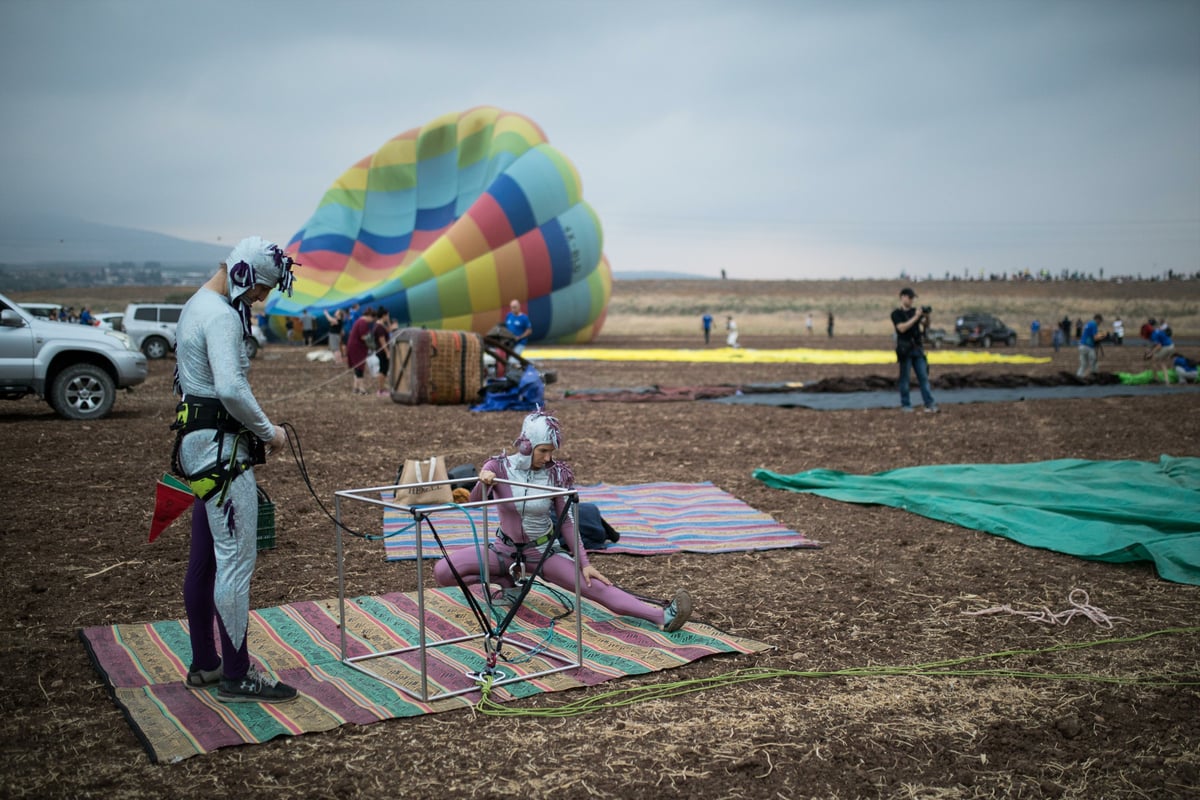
(887, 588)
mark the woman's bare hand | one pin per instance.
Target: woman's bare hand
(590, 572)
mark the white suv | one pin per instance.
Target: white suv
(152, 327)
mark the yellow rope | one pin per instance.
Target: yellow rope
(936, 669)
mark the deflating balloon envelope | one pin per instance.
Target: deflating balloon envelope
(445, 224)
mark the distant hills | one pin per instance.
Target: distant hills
(34, 240)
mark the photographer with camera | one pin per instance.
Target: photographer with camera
(910, 325)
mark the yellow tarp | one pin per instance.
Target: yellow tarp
(796, 355)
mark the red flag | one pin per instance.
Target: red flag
(169, 502)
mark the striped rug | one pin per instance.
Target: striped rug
(652, 518)
(144, 665)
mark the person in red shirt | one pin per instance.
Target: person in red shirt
(360, 343)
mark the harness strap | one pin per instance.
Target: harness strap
(218, 478)
(497, 633)
(556, 531)
(197, 413)
(522, 545)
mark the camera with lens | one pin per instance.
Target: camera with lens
(926, 309)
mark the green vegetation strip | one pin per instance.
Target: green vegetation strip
(948, 668)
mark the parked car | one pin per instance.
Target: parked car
(43, 310)
(111, 320)
(152, 327)
(984, 330)
(256, 340)
(77, 369)
(935, 337)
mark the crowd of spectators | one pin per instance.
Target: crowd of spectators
(1046, 276)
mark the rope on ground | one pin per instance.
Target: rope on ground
(347, 371)
(1081, 606)
(308, 390)
(111, 566)
(940, 669)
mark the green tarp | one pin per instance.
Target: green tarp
(1147, 377)
(1115, 511)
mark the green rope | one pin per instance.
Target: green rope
(619, 698)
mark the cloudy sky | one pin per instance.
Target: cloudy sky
(772, 139)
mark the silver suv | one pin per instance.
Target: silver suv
(152, 327)
(77, 369)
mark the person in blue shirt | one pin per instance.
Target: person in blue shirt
(1162, 352)
(352, 315)
(1185, 369)
(1087, 346)
(1034, 328)
(518, 324)
(706, 323)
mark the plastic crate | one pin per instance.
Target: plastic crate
(266, 522)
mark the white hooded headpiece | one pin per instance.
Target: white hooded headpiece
(540, 428)
(255, 261)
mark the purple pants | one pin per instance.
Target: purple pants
(201, 608)
(559, 569)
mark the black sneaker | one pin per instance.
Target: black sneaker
(255, 687)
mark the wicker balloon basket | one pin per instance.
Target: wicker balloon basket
(436, 367)
(266, 521)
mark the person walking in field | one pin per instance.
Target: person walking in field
(731, 337)
(1087, 347)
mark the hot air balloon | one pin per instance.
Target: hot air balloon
(445, 224)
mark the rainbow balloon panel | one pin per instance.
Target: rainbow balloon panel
(445, 224)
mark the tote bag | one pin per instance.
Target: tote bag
(424, 472)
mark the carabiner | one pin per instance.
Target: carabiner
(512, 571)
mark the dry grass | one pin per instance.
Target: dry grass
(862, 308)
(779, 308)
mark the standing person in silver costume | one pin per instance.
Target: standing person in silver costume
(222, 432)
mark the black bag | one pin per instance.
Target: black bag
(904, 347)
(464, 476)
(594, 530)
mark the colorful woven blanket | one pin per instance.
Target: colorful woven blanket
(652, 518)
(144, 665)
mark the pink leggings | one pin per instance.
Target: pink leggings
(559, 569)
